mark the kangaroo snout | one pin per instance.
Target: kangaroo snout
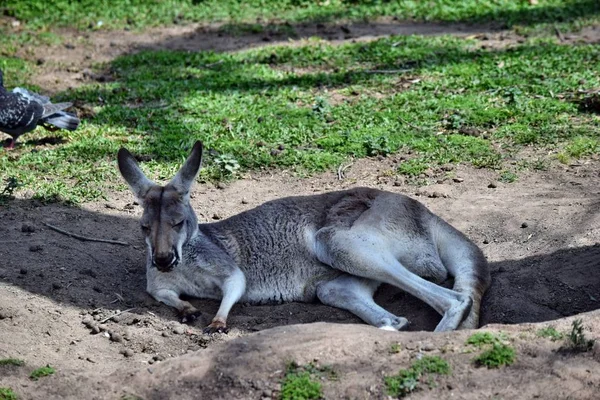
(165, 261)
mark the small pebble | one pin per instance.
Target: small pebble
(88, 321)
(458, 180)
(127, 352)
(216, 216)
(35, 247)
(27, 227)
(23, 271)
(221, 185)
(95, 330)
(244, 200)
(90, 359)
(524, 225)
(179, 330)
(56, 286)
(103, 327)
(165, 334)
(493, 185)
(115, 337)
(485, 241)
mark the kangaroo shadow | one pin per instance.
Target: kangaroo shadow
(91, 275)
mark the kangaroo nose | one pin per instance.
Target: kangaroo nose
(164, 262)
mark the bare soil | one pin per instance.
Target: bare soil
(540, 235)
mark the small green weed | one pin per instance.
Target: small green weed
(299, 384)
(12, 361)
(408, 380)
(227, 166)
(395, 348)
(480, 338)
(7, 394)
(508, 176)
(550, 333)
(498, 355)
(577, 339)
(41, 372)
(12, 184)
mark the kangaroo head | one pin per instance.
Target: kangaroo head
(168, 221)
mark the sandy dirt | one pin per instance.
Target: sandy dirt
(540, 235)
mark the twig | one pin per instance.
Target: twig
(85, 238)
(411, 125)
(114, 315)
(341, 169)
(209, 66)
(387, 71)
(559, 34)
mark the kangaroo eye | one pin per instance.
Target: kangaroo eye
(178, 225)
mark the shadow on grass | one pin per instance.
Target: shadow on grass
(270, 97)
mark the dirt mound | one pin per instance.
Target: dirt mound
(253, 367)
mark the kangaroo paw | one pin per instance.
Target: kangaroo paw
(188, 316)
(216, 326)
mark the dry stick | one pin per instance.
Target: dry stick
(342, 169)
(559, 34)
(387, 71)
(114, 315)
(85, 238)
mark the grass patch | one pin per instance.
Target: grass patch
(497, 356)
(482, 338)
(302, 382)
(496, 352)
(395, 348)
(89, 14)
(312, 106)
(41, 372)
(409, 380)
(550, 333)
(7, 394)
(576, 339)
(12, 362)
(254, 111)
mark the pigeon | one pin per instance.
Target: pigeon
(21, 111)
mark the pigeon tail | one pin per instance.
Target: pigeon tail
(50, 108)
(63, 120)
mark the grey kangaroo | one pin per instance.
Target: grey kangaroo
(337, 247)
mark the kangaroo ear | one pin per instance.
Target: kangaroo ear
(182, 182)
(135, 178)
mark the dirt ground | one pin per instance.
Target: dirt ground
(540, 235)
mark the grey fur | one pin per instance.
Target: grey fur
(337, 247)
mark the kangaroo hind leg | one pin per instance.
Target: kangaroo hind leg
(366, 253)
(356, 295)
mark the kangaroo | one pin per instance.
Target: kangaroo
(337, 247)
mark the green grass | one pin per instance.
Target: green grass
(7, 394)
(550, 333)
(12, 362)
(576, 339)
(299, 383)
(409, 380)
(253, 112)
(482, 338)
(41, 372)
(89, 14)
(497, 356)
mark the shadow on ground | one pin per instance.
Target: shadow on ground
(91, 275)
